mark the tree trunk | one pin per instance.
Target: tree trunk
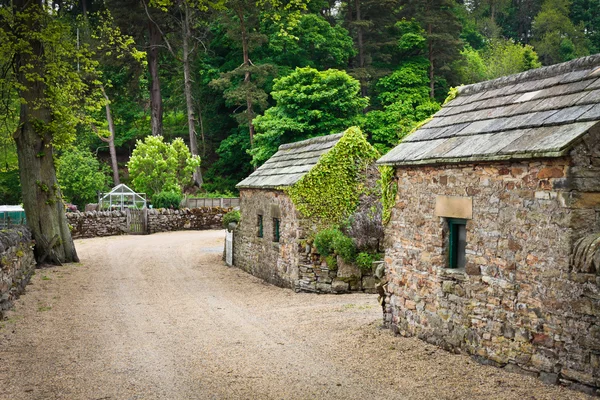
(247, 75)
(187, 86)
(361, 50)
(42, 199)
(430, 51)
(111, 141)
(156, 111)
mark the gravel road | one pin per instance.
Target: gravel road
(161, 317)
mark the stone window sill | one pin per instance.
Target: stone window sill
(459, 274)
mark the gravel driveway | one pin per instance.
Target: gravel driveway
(161, 317)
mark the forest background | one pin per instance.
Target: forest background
(234, 79)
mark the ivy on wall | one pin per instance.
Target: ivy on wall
(331, 190)
(388, 191)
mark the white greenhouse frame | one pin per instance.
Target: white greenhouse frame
(120, 198)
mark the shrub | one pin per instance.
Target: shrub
(331, 262)
(365, 260)
(329, 241)
(324, 241)
(344, 247)
(231, 216)
(167, 200)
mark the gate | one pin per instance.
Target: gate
(137, 221)
(229, 248)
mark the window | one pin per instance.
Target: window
(457, 242)
(260, 226)
(276, 229)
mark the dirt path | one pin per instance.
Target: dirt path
(161, 317)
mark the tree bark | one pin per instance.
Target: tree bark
(42, 199)
(187, 84)
(430, 51)
(156, 111)
(361, 50)
(247, 74)
(111, 141)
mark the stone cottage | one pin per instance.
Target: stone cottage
(270, 241)
(492, 246)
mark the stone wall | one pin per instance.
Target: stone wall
(518, 303)
(291, 262)
(108, 223)
(274, 262)
(17, 264)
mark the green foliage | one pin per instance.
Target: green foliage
(344, 247)
(324, 241)
(80, 176)
(331, 190)
(365, 260)
(556, 38)
(156, 166)
(331, 262)
(315, 43)
(167, 200)
(498, 58)
(309, 103)
(388, 191)
(332, 241)
(231, 216)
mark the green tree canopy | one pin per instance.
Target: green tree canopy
(309, 103)
(156, 166)
(555, 37)
(80, 176)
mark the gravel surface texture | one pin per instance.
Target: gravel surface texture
(162, 317)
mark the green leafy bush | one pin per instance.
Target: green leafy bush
(344, 247)
(80, 176)
(324, 241)
(156, 166)
(167, 200)
(231, 216)
(331, 262)
(365, 260)
(330, 241)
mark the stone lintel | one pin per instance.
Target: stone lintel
(454, 207)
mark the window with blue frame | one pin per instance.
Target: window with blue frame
(457, 242)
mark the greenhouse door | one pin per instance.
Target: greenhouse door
(137, 221)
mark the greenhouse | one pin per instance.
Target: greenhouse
(11, 215)
(120, 198)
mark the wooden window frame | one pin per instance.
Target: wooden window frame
(260, 225)
(276, 230)
(454, 225)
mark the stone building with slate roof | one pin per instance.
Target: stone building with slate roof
(492, 247)
(267, 241)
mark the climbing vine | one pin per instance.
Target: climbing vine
(331, 190)
(388, 191)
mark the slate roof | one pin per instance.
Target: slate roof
(291, 162)
(537, 113)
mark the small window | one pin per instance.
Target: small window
(276, 229)
(260, 226)
(457, 243)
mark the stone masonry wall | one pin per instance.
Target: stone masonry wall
(109, 223)
(517, 303)
(274, 262)
(17, 264)
(291, 262)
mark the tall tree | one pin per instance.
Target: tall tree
(35, 39)
(555, 37)
(442, 31)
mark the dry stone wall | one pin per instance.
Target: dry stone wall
(290, 262)
(518, 303)
(17, 264)
(109, 223)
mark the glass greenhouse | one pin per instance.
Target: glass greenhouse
(120, 198)
(12, 215)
